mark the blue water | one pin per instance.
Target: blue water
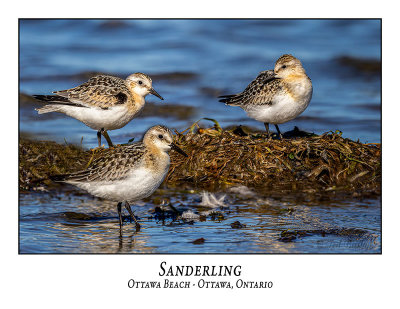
(223, 56)
(66, 222)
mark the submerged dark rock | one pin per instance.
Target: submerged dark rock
(366, 66)
(237, 225)
(198, 241)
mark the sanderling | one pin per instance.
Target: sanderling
(102, 103)
(127, 173)
(275, 96)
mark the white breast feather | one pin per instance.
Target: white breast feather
(140, 184)
(283, 108)
(96, 118)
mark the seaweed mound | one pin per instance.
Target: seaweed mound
(219, 158)
(38, 160)
(223, 158)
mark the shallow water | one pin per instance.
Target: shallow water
(222, 57)
(69, 223)
(211, 57)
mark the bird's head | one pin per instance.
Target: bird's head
(288, 65)
(142, 84)
(162, 138)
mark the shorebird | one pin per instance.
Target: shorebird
(275, 96)
(103, 103)
(129, 173)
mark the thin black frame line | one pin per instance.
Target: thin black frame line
(204, 253)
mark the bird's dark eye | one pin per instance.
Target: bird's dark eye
(284, 66)
(160, 136)
(140, 82)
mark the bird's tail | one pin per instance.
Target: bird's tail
(56, 99)
(48, 108)
(55, 178)
(51, 98)
(231, 99)
(59, 178)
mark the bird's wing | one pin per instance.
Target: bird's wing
(101, 91)
(113, 165)
(260, 91)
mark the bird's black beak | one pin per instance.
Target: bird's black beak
(152, 91)
(177, 149)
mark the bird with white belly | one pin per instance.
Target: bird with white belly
(275, 96)
(103, 103)
(128, 173)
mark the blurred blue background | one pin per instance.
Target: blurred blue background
(193, 61)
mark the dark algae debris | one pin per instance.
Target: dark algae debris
(38, 160)
(352, 234)
(223, 158)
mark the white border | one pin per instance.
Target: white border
(300, 281)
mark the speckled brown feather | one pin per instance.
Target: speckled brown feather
(102, 91)
(285, 58)
(259, 92)
(114, 164)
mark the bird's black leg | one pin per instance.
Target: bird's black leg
(99, 137)
(108, 139)
(266, 124)
(120, 215)
(128, 208)
(279, 132)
